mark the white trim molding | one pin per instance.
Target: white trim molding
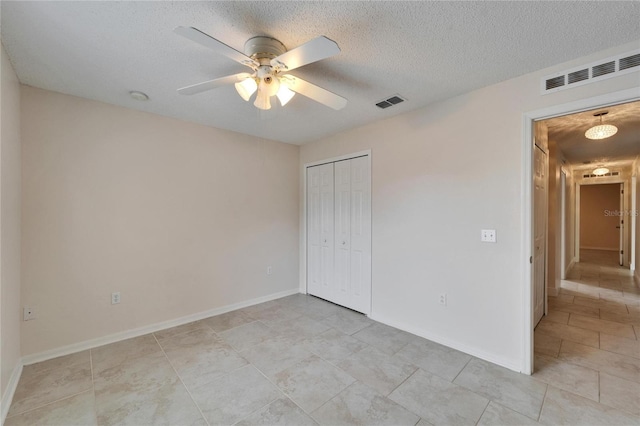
(123, 335)
(9, 392)
(528, 119)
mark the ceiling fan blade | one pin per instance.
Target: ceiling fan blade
(217, 46)
(212, 84)
(312, 51)
(314, 92)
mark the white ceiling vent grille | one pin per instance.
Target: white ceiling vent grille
(591, 175)
(591, 73)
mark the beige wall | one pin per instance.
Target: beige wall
(636, 213)
(10, 194)
(597, 230)
(180, 218)
(439, 175)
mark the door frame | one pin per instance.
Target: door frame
(303, 222)
(563, 223)
(526, 199)
(579, 185)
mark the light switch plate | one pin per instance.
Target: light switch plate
(488, 236)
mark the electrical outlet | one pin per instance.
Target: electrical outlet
(488, 236)
(28, 313)
(115, 298)
(269, 270)
(443, 299)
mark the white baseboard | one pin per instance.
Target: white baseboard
(515, 365)
(7, 396)
(123, 335)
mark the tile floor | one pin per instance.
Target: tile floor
(300, 360)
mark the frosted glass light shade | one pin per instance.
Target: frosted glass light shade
(285, 94)
(246, 87)
(601, 171)
(601, 131)
(262, 100)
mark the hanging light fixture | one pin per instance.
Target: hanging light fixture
(601, 131)
(601, 171)
(267, 84)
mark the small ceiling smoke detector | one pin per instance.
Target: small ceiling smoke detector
(138, 96)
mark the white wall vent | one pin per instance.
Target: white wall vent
(590, 73)
(591, 175)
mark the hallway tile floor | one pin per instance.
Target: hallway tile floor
(300, 360)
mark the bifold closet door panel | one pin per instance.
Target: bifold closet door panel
(342, 271)
(360, 243)
(320, 236)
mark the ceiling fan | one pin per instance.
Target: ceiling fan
(268, 60)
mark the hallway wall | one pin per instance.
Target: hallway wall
(597, 227)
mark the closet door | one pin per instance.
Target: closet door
(320, 237)
(360, 217)
(342, 271)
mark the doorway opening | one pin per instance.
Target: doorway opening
(550, 130)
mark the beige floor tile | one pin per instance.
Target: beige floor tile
(580, 380)
(439, 401)
(333, 345)
(107, 356)
(565, 408)
(59, 362)
(601, 304)
(282, 411)
(603, 326)
(557, 316)
(497, 415)
(546, 345)
(275, 313)
(567, 332)
(377, 369)
(169, 404)
(76, 410)
(228, 321)
(620, 393)
(234, 396)
(361, 405)
(630, 319)
(513, 390)
(185, 328)
(247, 335)
(348, 322)
(39, 388)
(274, 355)
(299, 328)
(434, 358)
(572, 308)
(562, 298)
(312, 382)
(620, 345)
(384, 338)
(200, 356)
(608, 362)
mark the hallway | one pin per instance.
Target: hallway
(588, 343)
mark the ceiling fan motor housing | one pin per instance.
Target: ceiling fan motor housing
(263, 49)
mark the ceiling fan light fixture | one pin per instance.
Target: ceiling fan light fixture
(246, 88)
(284, 94)
(601, 131)
(601, 171)
(262, 99)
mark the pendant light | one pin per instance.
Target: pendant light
(601, 131)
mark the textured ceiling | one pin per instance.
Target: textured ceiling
(424, 51)
(568, 132)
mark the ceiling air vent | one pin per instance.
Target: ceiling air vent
(394, 100)
(591, 175)
(591, 73)
(629, 62)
